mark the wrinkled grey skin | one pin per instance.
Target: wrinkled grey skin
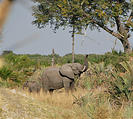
(58, 77)
(33, 86)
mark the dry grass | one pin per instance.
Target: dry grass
(17, 104)
(97, 106)
(62, 102)
(60, 98)
(1, 62)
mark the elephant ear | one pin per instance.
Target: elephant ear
(67, 71)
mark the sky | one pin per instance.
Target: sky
(20, 36)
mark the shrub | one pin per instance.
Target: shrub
(5, 72)
(121, 89)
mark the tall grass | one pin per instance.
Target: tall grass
(62, 102)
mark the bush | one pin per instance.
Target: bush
(122, 87)
(5, 72)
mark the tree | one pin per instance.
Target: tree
(58, 14)
(97, 14)
(116, 13)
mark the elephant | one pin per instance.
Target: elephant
(33, 86)
(54, 77)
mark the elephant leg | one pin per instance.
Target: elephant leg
(72, 86)
(37, 90)
(45, 90)
(66, 83)
(51, 91)
(30, 90)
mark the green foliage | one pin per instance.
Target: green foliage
(5, 72)
(19, 61)
(113, 58)
(68, 58)
(19, 68)
(97, 75)
(110, 91)
(81, 14)
(122, 86)
(118, 85)
(58, 13)
(66, 12)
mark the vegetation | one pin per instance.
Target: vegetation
(79, 14)
(105, 90)
(107, 86)
(19, 68)
(110, 91)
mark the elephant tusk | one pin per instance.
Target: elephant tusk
(83, 69)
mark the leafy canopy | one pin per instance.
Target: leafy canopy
(82, 13)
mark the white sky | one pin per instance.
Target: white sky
(22, 37)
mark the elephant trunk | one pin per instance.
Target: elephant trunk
(85, 64)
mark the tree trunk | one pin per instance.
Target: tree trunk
(126, 45)
(53, 58)
(73, 39)
(124, 31)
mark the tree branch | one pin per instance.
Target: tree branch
(118, 35)
(118, 24)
